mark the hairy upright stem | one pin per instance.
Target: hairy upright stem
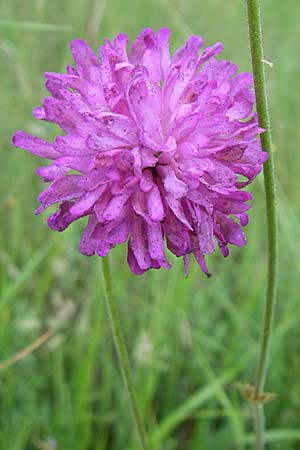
(122, 351)
(257, 56)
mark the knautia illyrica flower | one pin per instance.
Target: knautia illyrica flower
(158, 145)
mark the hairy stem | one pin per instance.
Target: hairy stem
(258, 64)
(122, 351)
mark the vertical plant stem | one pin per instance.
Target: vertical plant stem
(122, 351)
(257, 56)
(259, 425)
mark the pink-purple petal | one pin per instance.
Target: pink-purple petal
(34, 145)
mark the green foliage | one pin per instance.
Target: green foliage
(190, 340)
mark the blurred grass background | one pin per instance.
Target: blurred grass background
(189, 340)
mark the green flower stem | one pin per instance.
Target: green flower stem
(122, 351)
(259, 425)
(258, 64)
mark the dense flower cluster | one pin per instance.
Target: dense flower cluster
(154, 148)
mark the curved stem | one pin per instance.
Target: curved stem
(122, 351)
(257, 56)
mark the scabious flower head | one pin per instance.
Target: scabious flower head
(154, 149)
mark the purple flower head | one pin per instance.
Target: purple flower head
(154, 148)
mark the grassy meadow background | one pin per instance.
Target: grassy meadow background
(190, 340)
